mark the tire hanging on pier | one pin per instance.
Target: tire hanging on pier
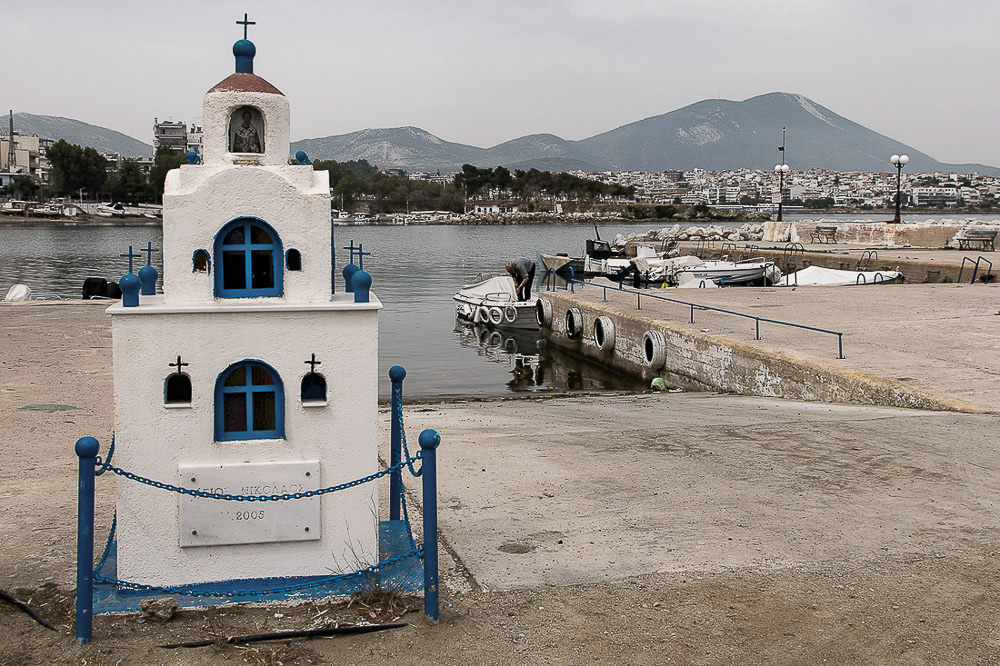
(604, 334)
(574, 323)
(543, 312)
(654, 349)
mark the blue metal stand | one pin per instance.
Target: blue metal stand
(86, 448)
(429, 440)
(397, 374)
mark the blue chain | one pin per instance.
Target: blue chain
(248, 593)
(402, 431)
(102, 465)
(260, 498)
(107, 544)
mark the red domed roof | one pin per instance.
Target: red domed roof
(245, 82)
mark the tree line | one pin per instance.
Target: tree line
(533, 183)
(74, 171)
(355, 180)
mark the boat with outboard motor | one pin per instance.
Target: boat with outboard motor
(493, 301)
(725, 272)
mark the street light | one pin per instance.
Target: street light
(781, 170)
(898, 161)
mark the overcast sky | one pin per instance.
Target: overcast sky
(483, 72)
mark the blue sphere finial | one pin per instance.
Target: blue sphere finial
(192, 157)
(301, 157)
(361, 284)
(130, 286)
(244, 50)
(348, 272)
(429, 439)
(397, 373)
(87, 447)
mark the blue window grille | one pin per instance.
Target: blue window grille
(248, 260)
(249, 403)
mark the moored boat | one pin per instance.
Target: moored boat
(493, 301)
(731, 272)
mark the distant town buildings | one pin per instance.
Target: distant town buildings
(178, 136)
(26, 159)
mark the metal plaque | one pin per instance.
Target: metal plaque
(212, 522)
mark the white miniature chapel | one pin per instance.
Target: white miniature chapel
(248, 375)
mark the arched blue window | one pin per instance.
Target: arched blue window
(248, 260)
(249, 403)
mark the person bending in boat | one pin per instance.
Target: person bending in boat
(522, 270)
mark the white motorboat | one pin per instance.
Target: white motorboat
(493, 301)
(727, 272)
(110, 210)
(817, 276)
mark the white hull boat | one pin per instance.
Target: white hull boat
(817, 276)
(493, 301)
(730, 272)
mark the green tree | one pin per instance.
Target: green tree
(74, 168)
(164, 161)
(129, 183)
(23, 187)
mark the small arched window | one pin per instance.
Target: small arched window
(177, 389)
(313, 388)
(293, 259)
(247, 260)
(201, 263)
(249, 403)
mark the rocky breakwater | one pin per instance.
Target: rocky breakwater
(747, 232)
(944, 233)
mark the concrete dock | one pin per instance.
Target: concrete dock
(698, 526)
(923, 345)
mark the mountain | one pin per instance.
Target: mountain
(713, 134)
(82, 134)
(409, 148)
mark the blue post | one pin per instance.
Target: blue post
(349, 271)
(361, 283)
(429, 440)
(572, 275)
(86, 448)
(397, 374)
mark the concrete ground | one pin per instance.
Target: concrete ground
(697, 528)
(940, 338)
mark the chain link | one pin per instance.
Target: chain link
(258, 498)
(402, 431)
(107, 544)
(102, 465)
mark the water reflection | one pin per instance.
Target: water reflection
(534, 366)
(416, 272)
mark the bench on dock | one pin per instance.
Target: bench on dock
(824, 235)
(984, 237)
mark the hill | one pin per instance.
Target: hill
(712, 134)
(83, 134)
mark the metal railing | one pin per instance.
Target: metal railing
(975, 268)
(693, 306)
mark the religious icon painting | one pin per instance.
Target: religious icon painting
(246, 131)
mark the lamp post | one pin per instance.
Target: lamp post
(781, 170)
(898, 161)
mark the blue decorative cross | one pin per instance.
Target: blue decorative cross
(130, 256)
(360, 252)
(149, 250)
(245, 23)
